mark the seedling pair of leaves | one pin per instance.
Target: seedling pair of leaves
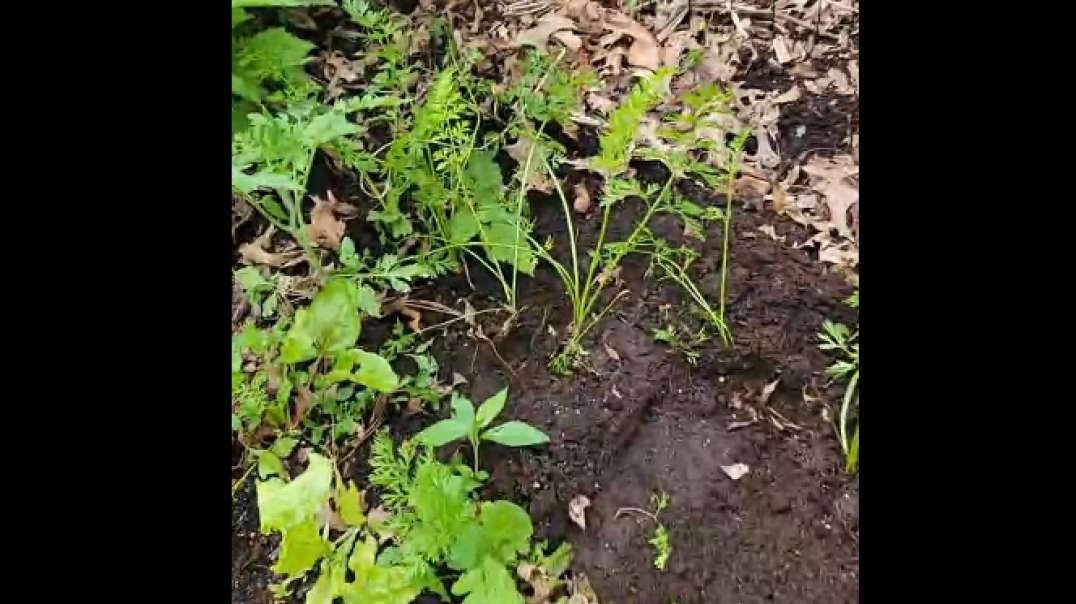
(466, 423)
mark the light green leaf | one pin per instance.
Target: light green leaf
(327, 126)
(491, 408)
(515, 434)
(264, 179)
(349, 504)
(273, 53)
(330, 324)
(511, 247)
(462, 226)
(239, 16)
(368, 302)
(443, 432)
(376, 373)
(284, 446)
(489, 583)
(483, 176)
(300, 549)
(282, 506)
(503, 530)
(376, 584)
(269, 464)
(251, 280)
(347, 254)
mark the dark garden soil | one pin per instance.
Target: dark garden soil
(641, 418)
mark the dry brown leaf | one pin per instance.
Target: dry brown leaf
(769, 229)
(377, 519)
(675, 45)
(767, 391)
(255, 252)
(643, 51)
(568, 38)
(581, 204)
(577, 510)
(325, 230)
(831, 178)
(599, 103)
(542, 584)
(613, 354)
(340, 70)
(537, 178)
(538, 35)
(669, 14)
(736, 471)
(581, 591)
(303, 399)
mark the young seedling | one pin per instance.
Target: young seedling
(660, 539)
(838, 337)
(465, 423)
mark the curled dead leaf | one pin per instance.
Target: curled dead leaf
(643, 51)
(577, 510)
(581, 591)
(548, 25)
(324, 229)
(255, 252)
(767, 391)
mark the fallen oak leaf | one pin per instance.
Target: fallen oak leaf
(538, 35)
(643, 51)
(324, 228)
(255, 252)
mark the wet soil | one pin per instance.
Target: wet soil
(642, 419)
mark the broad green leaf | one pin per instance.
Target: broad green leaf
(442, 504)
(283, 446)
(511, 247)
(273, 53)
(443, 432)
(250, 279)
(349, 504)
(269, 464)
(376, 373)
(264, 179)
(300, 549)
(463, 409)
(483, 176)
(491, 408)
(282, 506)
(515, 434)
(368, 302)
(489, 583)
(503, 530)
(347, 254)
(462, 226)
(375, 584)
(239, 16)
(327, 126)
(330, 324)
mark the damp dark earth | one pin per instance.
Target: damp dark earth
(710, 387)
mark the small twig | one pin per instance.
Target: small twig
(637, 511)
(242, 479)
